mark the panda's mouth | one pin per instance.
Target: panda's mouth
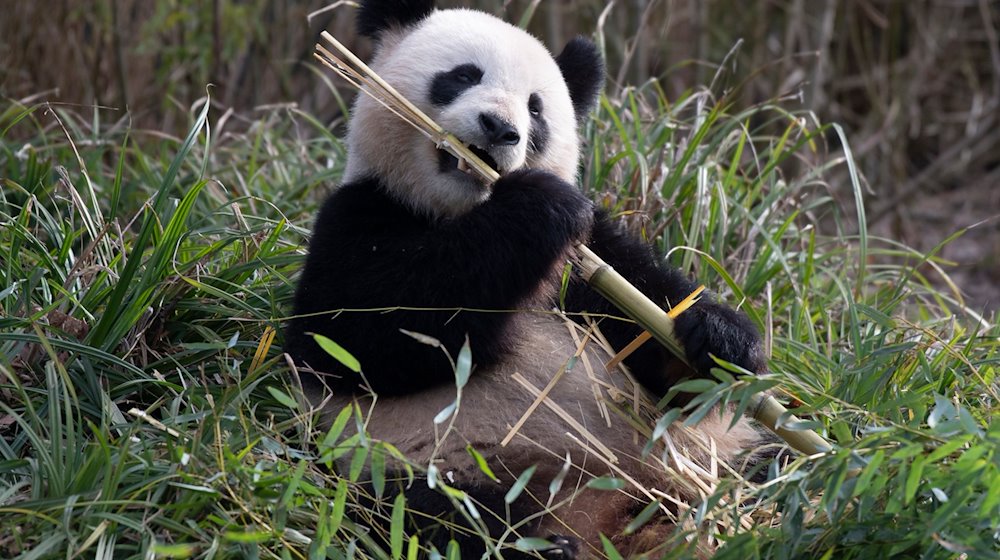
(448, 163)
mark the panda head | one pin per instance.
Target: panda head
(494, 86)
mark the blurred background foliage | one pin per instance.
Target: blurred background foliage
(916, 84)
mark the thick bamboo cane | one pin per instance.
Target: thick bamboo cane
(626, 297)
(600, 275)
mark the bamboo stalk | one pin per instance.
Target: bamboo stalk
(626, 297)
(600, 275)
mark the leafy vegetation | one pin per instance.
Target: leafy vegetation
(146, 410)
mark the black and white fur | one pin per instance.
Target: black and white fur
(411, 243)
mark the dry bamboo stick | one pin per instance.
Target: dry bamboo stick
(596, 272)
(385, 93)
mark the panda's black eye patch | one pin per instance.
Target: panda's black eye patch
(446, 86)
(535, 105)
(538, 137)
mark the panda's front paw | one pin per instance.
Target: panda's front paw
(711, 328)
(547, 199)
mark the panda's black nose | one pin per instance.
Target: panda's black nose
(498, 131)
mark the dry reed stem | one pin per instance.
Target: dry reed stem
(540, 397)
(595, 383)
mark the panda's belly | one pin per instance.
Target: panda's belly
(582, 418)
(501, 416)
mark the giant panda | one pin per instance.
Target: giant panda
(409, 243)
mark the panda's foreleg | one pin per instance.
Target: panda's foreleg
(707, 327)
(506, 247)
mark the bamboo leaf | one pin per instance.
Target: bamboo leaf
(282, 398)
(338, 352)
(645, 515)
(339, 506)
(339, 423)
(481, 463)
(463, 366)
(606, 483)
(445, 413)
(519, 485)
(913, 479)
(396, 525)
(609, 549)
(378, 470)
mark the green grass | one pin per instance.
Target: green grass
(141, 274)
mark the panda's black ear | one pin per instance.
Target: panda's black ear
(583, 69)
(375, 16)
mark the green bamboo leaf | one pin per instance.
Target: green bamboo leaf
(161, 550)
(869, 472)
(378, 470)
(337, 428)
(606, 483)
(283, 398)
(413, 550)
(947, 448)
(342, 448)
(358, 461)
(696, 385)
(247, 537)
(913, 479)
(396, 525)
(645, 515)
(463, 366)
(609, 549)
(445, 413)
(519, 485)
(338, 352)
(339, 506)
(664, 423)
(991, 500)
(454, 553)
(481, 462)
(293, 484)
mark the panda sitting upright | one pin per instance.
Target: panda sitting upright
(411, 244)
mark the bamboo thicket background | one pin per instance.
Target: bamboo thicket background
(916, 84)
